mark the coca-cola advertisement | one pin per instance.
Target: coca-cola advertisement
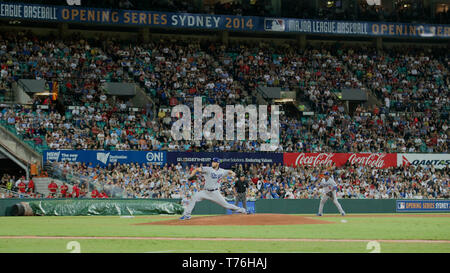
(376, 160)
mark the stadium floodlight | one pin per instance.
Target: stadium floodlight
(373, 2)
(73, 2)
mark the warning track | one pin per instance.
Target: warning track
(224, 239)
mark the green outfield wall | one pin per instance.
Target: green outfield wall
(306, 206)
(173, 206)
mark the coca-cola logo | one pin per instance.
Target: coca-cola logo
(373, 160)
(323, 159)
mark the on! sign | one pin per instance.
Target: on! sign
(155, 156)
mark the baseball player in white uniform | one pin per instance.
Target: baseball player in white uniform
(211, 189)
(329, 191)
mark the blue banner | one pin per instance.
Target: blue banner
(104, 158)
(366, 28)
(423, 205)
(77, 14)
(250, 206)
(228, 159)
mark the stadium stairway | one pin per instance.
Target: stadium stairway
(17, 150)
(141, 99)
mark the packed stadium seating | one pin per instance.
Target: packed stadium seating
(173, 72)
(266, 181)
(409, 112)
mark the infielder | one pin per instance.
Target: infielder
(210, 191)
(329, 191)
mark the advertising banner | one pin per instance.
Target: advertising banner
(79, 14)
(367, 28)
(439, 161)
(377, 160)
(228, 159)
(250, 206)
(423, 205)
(104, 158)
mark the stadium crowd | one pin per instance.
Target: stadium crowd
(13, 187)
(173, 72)
(265, 181)
(112, 126)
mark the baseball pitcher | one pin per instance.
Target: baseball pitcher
(329, 187)
(213, 176)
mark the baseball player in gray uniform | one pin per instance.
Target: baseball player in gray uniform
(329, 191)
(211, 190)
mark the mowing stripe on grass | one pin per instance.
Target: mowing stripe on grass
(221, 239)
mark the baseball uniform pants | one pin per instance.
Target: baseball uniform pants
(213, 196)
(325, 197)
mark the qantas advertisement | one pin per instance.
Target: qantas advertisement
(439, 161)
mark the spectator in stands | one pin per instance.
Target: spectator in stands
(22, 186)
(30, 187)
(103, 195)
(9, 184)
(95, 193)
(4, 181)
(18, 181)
(76, 190)
(64, 189)
(53, 188)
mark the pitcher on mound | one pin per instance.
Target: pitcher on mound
(211, 189)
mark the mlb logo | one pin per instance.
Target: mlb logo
(274, 24)
(73, 2)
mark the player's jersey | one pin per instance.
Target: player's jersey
(328, 185)
(212, 177)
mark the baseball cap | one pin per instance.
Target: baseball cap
(216, 159)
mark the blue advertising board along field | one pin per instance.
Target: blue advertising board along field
(104, 158)
(423, 205)
(250, 206)
(227, 159)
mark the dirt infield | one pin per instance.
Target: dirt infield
(243, 220)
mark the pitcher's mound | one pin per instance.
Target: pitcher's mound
(243, 220)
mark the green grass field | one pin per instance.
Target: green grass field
(414, 233)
